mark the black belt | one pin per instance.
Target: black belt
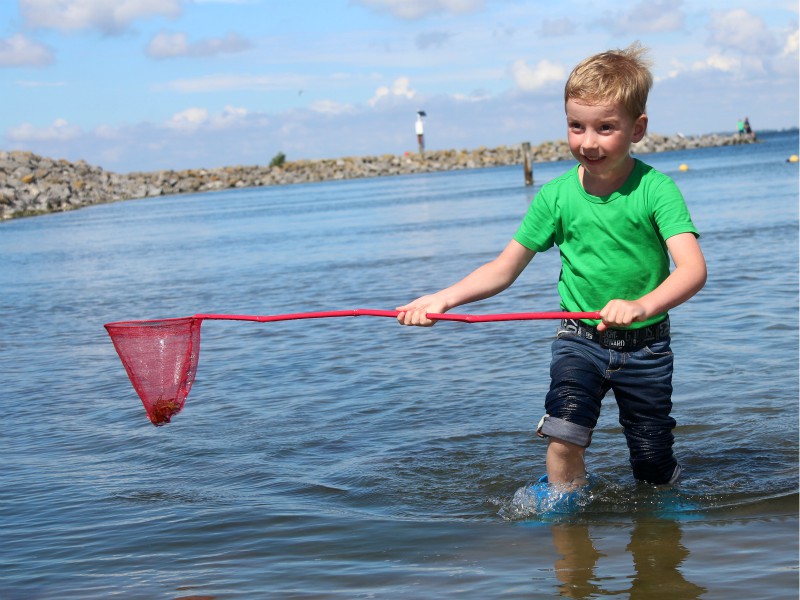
(624, 340)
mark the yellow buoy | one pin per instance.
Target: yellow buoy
(792, 158)
(683, 167)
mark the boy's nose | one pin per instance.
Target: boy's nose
(589, 142)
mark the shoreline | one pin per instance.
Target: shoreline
(32, 185)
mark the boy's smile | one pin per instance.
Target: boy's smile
(600, 137)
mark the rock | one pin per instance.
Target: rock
(32, 185)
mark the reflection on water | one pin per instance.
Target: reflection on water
(576, 568)
(655, 548)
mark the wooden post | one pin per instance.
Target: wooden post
(527, 162)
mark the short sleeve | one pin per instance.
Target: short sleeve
(537, 232)
(670, 212)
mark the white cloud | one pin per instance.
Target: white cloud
(530, 79)
(104, 15)
(792, 44)
(329, 107)
(188, 120)
(173, 45)
(60, 130)
(417, 9)
(741, 31)
(649, 16)
(477, 96)
(230, 115)
(164, 45)
(400, 88)
(719, 62)
(381, 92)
(20, 51)
(735, 68)
(193, 119)
(106, 132)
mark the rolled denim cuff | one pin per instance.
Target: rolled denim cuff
(564, 430)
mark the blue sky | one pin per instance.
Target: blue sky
(173, 84)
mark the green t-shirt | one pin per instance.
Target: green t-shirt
(611, 246)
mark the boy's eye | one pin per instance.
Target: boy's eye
(575, 126)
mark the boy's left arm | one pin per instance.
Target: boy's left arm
(688, 278)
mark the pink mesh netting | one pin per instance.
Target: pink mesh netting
(161, 360)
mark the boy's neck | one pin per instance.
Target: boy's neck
(605, 186)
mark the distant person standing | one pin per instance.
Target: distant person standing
(747, 129)
(740, 126)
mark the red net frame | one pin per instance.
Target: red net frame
(160, 358)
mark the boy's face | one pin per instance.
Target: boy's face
(600, 137)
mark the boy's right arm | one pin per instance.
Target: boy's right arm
(484, 282)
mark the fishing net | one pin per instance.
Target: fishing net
(160, 358)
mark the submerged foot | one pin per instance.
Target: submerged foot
(556, 499)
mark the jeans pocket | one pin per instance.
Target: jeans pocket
(567, 330)
(658, 348)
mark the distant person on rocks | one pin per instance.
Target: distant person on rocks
(747, 129)
(740, 126)
(617, 222)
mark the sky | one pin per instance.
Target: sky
(145, 85)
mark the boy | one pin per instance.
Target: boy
(616, 222)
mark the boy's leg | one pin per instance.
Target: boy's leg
(577, 387)
(565, 463)
(643, 389)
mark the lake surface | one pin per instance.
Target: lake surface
(354, 458)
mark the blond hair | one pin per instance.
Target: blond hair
(616, 76)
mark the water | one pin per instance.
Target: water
(354, 458)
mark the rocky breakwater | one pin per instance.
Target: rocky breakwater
(34, 185)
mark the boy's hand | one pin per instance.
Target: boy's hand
(414, 313)
(621, 313)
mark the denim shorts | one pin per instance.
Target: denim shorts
(582, 372)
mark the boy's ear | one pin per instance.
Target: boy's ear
(639, 128)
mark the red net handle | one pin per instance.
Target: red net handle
(366, 312)
(160, 356)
